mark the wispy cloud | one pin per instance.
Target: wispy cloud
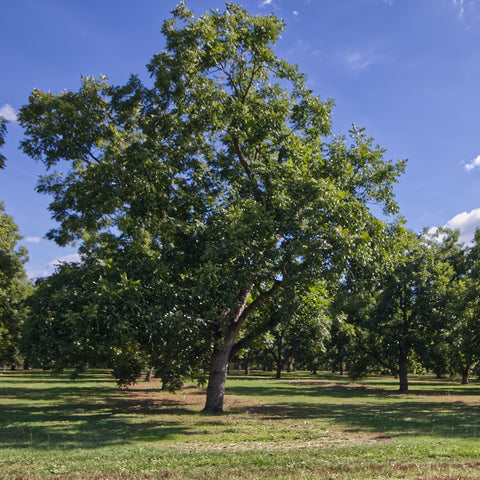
(360, 59)
(467, 223)
(32, 239)
(460, 6)
(8, 113)
(265, 3)
(475, 163)
(50, 267)
(295, 12)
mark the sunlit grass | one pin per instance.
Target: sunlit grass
(302, 426)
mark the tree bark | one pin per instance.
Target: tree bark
(465, 375)
(402, 373)
(217, 379)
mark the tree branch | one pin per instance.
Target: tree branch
(243, 161)
(248, 169)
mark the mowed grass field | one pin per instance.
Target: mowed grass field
(300, 427)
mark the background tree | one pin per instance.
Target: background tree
(225, 168)
(449, 321)
(92, 313)
(396, 317)
(340, 346)
(14, 289)
(300, 327)
(464, 328)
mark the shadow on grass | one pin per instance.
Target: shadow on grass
(72, 415)
(437, 419)
(373, 409)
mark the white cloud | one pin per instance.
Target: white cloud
(32, 239)
(265, 3)
(467, 223)
(73, 257)
(295, 12)
(473, 164)
(32, 274)
(433, 233)
(8, 113)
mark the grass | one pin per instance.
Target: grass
(300, 427)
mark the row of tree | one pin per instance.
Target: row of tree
(420, 315)
(215, 211)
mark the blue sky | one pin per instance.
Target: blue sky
(406, 70)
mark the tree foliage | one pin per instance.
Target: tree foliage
(14, 289)
(401, 317)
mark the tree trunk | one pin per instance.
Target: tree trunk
(279, 370)
(221, 353)
(465, 375)
(247, 367)
(342, 368)
(403, 349)
(217, 379)
(402, 374)
(149, 375)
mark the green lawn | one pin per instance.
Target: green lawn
(300, 427)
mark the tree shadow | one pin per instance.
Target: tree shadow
(436, 419)
(371, 409)
(67, 415)
(72, 416)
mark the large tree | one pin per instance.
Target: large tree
(225, 168)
